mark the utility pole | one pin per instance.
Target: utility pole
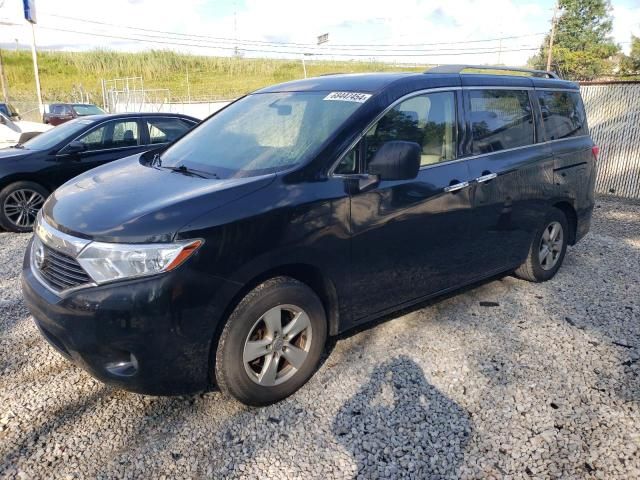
(236, 49)
(553, 34)
(3, 81)
(34, 54)
(304, 65)
(30, 16)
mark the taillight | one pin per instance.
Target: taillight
(596, 151)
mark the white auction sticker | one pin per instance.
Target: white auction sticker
(348, 97)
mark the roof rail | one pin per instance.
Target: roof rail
(461, 68)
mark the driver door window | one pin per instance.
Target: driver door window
(115, 134)
(428, 120)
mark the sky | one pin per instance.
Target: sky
(398, 31)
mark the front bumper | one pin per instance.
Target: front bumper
(165, 324)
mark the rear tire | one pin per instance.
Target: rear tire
(547, 249)
(19, 205)
(272, 342)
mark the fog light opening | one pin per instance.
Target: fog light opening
(123, 368)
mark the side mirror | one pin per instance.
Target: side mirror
(3, 120)
(396, 160)
(74, 147)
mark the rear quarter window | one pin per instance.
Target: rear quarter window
(563, 114)
(166, 129)
(500, 119)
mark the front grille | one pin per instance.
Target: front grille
(61, 271)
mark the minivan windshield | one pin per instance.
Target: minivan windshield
(51, 138)
(260, 134)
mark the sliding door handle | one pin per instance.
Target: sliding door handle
(486, 178)
(456, 186)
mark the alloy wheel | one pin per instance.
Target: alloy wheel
(277, 345)
(551, 245)
(21, 207)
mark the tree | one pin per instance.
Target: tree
(582, 47)
(630, 64)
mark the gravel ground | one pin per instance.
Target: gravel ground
(542, 381)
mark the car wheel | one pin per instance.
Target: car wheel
(271, 343)
(19, 205)
(547, 249)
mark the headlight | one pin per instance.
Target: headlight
(106, 262)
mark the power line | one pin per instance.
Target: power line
(330, 50)
(287, 52)
(290, 44)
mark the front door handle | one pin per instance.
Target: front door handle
(456, 186)
(486, 178)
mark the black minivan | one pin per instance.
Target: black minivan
(300, 211)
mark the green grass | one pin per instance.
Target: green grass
(209, 77)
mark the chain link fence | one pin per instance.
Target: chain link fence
(28, 108)
(613, 110)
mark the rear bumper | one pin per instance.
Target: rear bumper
(163, 326)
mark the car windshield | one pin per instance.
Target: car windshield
(260, 134)
(53, 137)
(87, 110)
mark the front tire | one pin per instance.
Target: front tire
(20, 203)
(272, 342)
(547, 250)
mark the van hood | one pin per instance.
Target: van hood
(125, 201)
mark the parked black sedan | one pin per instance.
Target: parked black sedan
(29, 172)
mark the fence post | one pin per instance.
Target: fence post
(104, 97)
(3, 81)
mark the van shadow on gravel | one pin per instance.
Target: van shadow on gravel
(399, 424)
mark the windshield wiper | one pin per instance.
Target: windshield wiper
(188, 171)
(19, 145)
(156, 161)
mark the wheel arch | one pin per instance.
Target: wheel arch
(572, 218)
(308, 274)
(11, 179)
